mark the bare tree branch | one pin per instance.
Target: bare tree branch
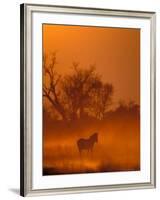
(50, 85)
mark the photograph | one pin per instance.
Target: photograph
(88, 110)
(91, 99)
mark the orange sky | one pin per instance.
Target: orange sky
(115, 51)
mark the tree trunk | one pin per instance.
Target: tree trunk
(74, 116)
(81, 112)
(58, 108)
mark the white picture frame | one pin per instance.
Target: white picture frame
(32, 182)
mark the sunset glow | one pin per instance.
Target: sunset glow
(91, 94)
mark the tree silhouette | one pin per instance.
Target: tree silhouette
(78, 88)
(101, 100)
(129, 108)
(78, 94)
(50, 85)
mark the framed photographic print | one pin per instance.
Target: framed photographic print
(87, 100)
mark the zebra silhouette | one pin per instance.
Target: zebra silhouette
(87, 144)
